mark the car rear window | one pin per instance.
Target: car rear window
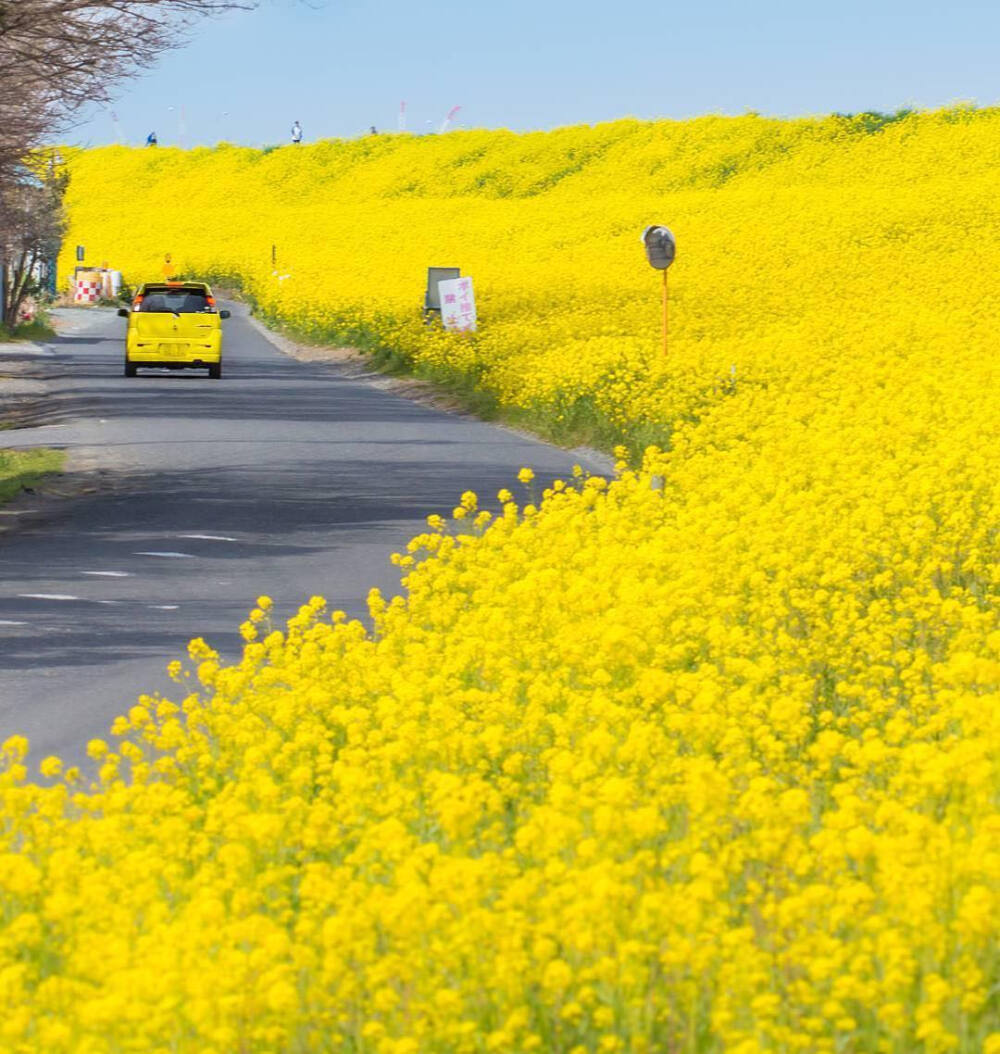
(182, 301)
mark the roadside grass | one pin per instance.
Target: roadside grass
(575, 423)
(22, 469)
(580, 424)
(39, 329)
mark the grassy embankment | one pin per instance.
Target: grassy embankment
(39, 329)
(21, 470)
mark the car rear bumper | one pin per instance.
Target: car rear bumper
(173, 353)
(175, 364)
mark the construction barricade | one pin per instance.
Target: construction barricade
(91, 284)
(87, 287)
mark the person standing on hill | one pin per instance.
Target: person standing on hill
(151, 139)
(296, 132)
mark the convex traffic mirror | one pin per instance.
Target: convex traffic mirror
(660, 245)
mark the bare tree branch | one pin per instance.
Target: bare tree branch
(57, 56)
(31, 228)
(67, 53)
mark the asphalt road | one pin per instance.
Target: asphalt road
(283, 478)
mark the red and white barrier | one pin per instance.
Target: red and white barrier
(86, 291)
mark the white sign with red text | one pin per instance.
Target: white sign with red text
(458, 305)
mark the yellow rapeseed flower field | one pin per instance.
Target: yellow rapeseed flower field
(794, 236)
(705, 757)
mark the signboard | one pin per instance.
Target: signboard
(458, 305)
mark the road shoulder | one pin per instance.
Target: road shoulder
(25, 385)
(355, 365)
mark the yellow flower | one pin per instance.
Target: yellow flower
(50, 766)
(557, 975)
(15, 747)
(703, 748)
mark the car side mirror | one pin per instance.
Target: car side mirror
(123, 312)
(225, 314)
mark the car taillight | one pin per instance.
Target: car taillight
(210, 300)
(136, 303)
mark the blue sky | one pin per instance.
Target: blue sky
(340, 66)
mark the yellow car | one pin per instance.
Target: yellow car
(174, 325)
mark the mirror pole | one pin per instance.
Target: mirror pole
(665, 317)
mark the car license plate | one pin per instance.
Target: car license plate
(173, 351)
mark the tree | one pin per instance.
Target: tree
(56, 57)
(60, 55)
(31, 229)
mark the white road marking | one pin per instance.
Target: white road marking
(208, 537)
(48, 596)
(173, 556)
(11, 622)
(109, 574)
(163, 607)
